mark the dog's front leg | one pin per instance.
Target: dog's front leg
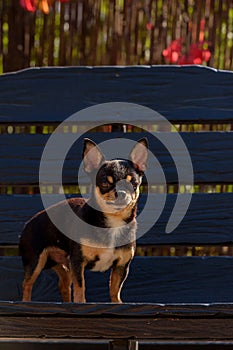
(117, 278)
(78, 283)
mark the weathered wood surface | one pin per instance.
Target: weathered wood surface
(163, 328)
(179, 93)
(211, 154)
(54, 309)
(161, 280)
(208, 220)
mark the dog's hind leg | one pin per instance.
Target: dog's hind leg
(30, 275)
(64, 283)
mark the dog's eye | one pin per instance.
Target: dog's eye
(105, 181)
(105, 184)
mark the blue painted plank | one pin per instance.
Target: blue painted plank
(211, 154)
(151, 280)
(209, 219)
(190, 93)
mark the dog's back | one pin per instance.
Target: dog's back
(40, 233)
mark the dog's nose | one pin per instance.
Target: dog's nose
(121, 194)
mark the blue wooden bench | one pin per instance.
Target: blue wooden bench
(169, 302)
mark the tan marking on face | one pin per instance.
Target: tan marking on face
(110, 179)
(102, 198)
(115, 218)
(109, 196)
(128, 178)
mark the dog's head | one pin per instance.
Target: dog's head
(116, 182)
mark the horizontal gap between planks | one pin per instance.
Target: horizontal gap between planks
(144, 189)
(49, 128)
(69, 344)
(156, 250)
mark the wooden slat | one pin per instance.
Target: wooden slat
(113, 328)
(208, 220)
(161, 280)
(178, 93)
(211, 153)
(125, 312)
(55, 309)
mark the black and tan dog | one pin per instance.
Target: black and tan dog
(109, 214)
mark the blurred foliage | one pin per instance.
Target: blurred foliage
(113, 32)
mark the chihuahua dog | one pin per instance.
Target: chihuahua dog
(109, 214)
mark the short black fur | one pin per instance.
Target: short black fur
(109, 241)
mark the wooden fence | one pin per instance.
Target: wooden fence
(113, 32)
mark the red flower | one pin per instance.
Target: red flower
(149, 25)
(173, 52)
(28, 5)
(198, 53)
(42, 5)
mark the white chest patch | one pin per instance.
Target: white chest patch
(106, 259)
(101, 259)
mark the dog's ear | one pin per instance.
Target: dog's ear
(139, 154)
(92, 156)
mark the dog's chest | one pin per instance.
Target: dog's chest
(104, 260)
(101, 259)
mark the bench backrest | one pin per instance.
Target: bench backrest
(33, 102)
